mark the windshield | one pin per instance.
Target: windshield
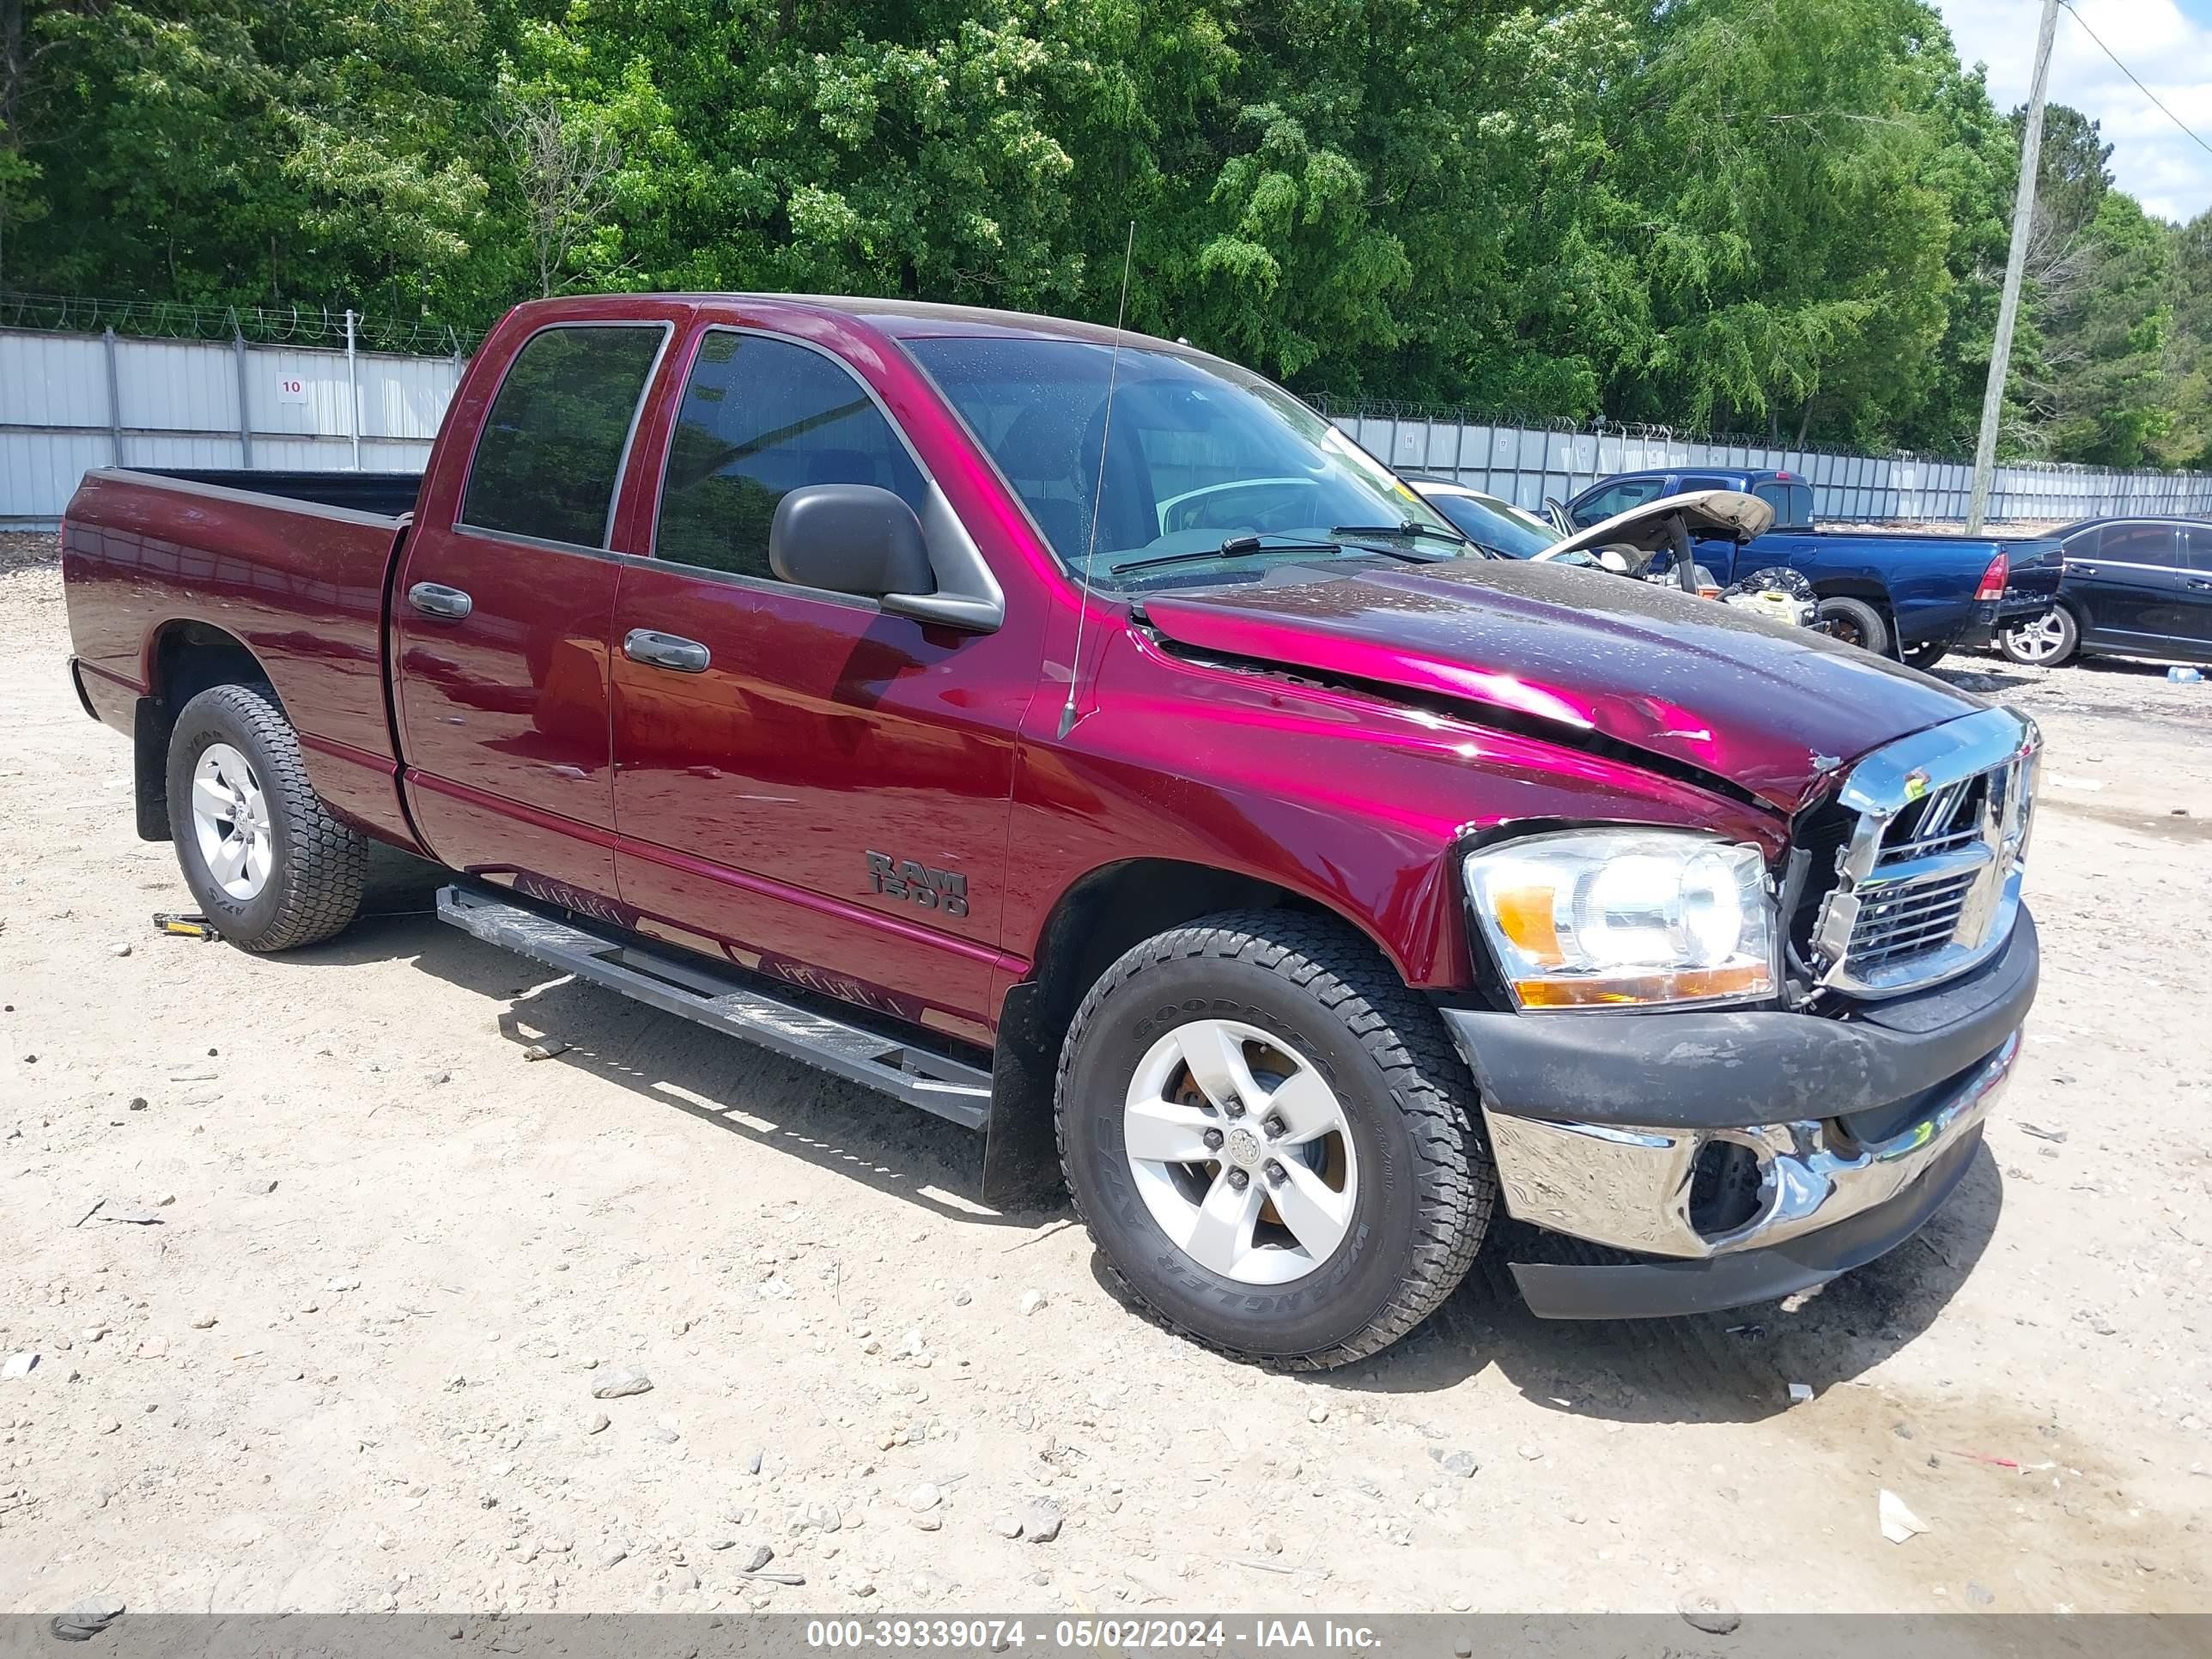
(1200, 454)
(1494, 524)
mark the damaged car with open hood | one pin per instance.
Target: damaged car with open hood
(1072, 734)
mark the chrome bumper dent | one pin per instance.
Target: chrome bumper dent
(1631, 1187)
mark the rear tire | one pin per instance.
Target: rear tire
(2045, 643)
(1855, 622)
(1925, 657)
(266, 862)
(1339, 1193)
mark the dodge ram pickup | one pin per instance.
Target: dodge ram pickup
(1071, 733)
(1912, 596)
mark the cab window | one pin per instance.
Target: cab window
(553, 439)
(760, 418)
(1792, 503)
(1615, 498)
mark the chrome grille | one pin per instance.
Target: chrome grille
(1907, 922)
(1927, 883)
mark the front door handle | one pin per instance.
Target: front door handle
(666, 651)
(2200, 586)
(2081, 569)
(433, 599)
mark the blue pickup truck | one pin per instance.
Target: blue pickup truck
(1913, 596)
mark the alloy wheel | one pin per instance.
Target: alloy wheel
(230, 821)
(2037, 641)
(1242, 1152)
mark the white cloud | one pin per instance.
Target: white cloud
(2169, 45)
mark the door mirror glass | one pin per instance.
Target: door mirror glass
(849, 538)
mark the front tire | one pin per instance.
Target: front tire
(2045, 643)
(267, 863)
(1272, 1140)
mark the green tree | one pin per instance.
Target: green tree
(2089, 379)
(2187, 439)
(223, 151)
(1786, 214)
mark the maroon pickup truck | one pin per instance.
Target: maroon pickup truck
(1068, 732)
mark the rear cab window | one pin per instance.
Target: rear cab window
(552, 444)
(1792, 503)
(759, 417)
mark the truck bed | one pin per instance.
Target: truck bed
(151, 560)
(389, 494)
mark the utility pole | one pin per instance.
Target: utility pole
(2023, 220)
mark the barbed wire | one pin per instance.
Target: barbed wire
(1394, 409)
(312, 325)
(1401, 409)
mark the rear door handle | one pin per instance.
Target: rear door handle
(2081, 569)
(2201, 586)
(433, 599)
(666, 651)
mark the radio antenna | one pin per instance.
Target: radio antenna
(1098, 490)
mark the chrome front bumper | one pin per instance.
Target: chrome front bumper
(1631, 1188)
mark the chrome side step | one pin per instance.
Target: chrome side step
(694, 991)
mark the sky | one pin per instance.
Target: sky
(2167, 42)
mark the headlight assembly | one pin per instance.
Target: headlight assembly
(1626, 918)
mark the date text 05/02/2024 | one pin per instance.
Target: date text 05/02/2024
(1003, 1635)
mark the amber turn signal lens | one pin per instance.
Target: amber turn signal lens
(1684, 984)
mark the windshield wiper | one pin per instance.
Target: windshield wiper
(1235, 547)
(1406, 527)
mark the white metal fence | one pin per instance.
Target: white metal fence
(70, 401)
(1523, 466)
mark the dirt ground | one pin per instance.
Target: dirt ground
(330, 1340)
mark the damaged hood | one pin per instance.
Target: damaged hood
(1772, 709)
(1724, 515)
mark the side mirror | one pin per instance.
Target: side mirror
(849, 538)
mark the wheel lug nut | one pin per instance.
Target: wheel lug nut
(1275, 1173)
(1236, 1109)
(1239, 1180)
(1213, 1140)
(1275, 1125)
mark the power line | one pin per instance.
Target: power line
(2132, 76)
